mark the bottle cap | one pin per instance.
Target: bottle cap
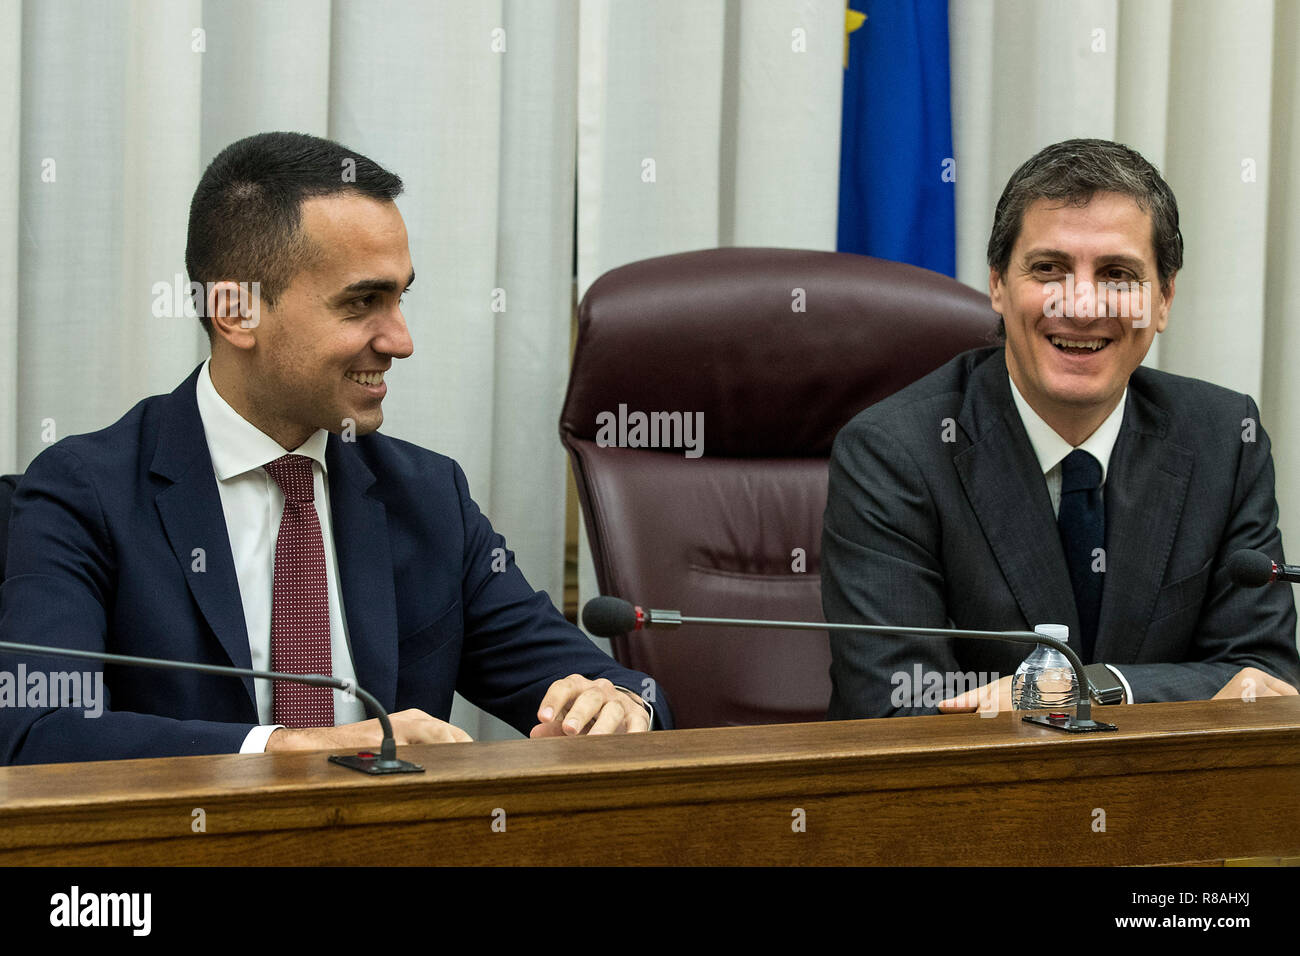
(1060, 632)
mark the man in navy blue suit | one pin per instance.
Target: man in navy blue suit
(254, 517)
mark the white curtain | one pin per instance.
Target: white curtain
(1208, 92)
(706, 123)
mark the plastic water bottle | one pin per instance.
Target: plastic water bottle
(1045, 681)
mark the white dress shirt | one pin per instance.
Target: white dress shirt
(1051, 449)
(253, 503)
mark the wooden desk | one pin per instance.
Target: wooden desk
(1178, 783)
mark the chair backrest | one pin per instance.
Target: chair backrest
(773, 351)
(8, 483)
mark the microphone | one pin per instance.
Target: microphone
(364, 761)
(1254, 569)
(607, 616)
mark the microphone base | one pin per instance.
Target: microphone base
(373, 763)
(1068, 723)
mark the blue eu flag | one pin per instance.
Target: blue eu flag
(897, 174)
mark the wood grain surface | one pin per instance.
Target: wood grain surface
(1178, 783)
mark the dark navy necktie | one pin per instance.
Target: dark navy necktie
(1082, 522)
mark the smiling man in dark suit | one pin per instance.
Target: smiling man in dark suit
(1054, 480)
(255, 517)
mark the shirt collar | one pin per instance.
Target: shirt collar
(1050, 448)
(236, 445)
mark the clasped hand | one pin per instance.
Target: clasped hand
(571, 707)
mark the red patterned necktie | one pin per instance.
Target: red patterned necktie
(300, 609)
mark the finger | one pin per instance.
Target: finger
(404, 731)
(550, 728)
(1004, 694)
(1279, 688)
(406, 726)
(427, 730)
(638, 718)
(638, 714)
(990, 700)
(961, 704)
(587, 704)
(559, 696)
(584, 709)
(958, 705)
(611, 720)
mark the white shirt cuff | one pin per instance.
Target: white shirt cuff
(255, 742)
(1128, 691)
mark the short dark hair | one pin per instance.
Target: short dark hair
(1072, 172)
(245, 217)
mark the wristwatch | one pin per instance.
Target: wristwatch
(1105, 686)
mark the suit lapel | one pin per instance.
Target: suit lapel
(191, 514)
(1146, 486)
(365, 561)
(1000, 475)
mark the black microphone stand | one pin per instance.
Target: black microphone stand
(364, 761)
(1080, 722)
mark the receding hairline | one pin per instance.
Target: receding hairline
(301, 247)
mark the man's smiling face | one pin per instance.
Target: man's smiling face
(321, 351)
(1073, 369)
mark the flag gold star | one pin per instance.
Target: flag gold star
(852, 20)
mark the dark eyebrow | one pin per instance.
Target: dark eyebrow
(1131, 262)
(1048, 253)
(366, 287)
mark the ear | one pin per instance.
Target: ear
(997, 291)
(1166, 300)
(234, 309)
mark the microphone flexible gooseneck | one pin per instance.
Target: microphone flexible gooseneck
(387, 761)
(608, 616)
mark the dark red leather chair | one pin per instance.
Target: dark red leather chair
(736, 532)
